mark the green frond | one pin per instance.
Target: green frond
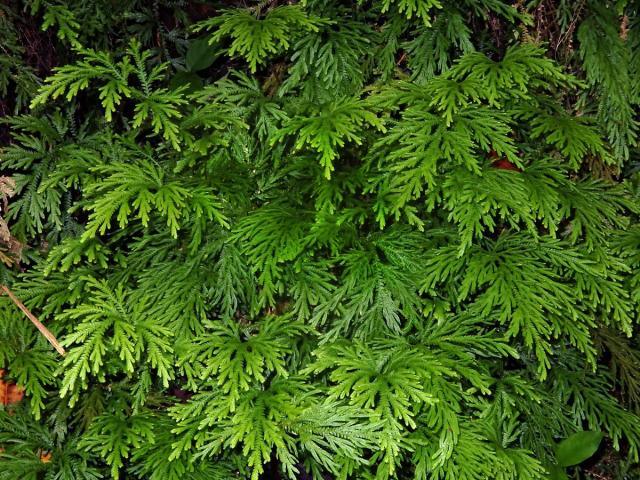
(255, 38)
(346, 239)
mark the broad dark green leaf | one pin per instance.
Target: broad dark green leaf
(200, 55)
(192, 80)
(557, 473)
(577, 448)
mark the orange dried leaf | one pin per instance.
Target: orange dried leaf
(45, 457)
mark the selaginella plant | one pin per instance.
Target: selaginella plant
(326, 239)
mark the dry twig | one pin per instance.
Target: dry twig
(44, 330)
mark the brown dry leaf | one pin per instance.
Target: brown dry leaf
(3, 388)
(12, 255)
(5, 234)
(15, 247)
(11, 251)
(10, 393)
(6, 259)
(7, 190)
(624, 27)
(15, 394)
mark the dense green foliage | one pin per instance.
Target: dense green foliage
(346, 239)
